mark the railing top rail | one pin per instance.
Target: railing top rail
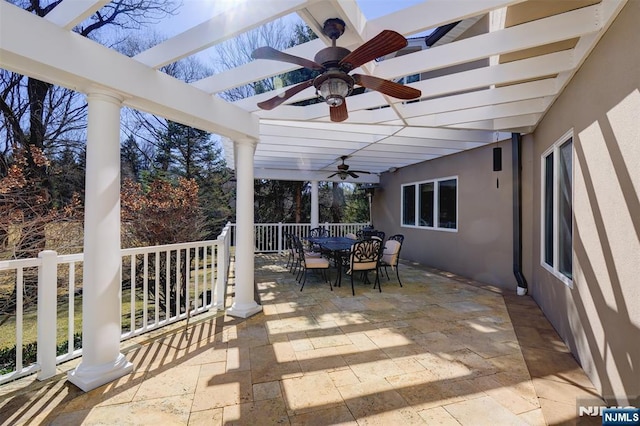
(19, 263)
(177, 246)
(68, 258)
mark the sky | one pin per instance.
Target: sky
(196, 11)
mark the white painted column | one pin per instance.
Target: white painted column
(102, 361)
(315, 205)
(243, 303)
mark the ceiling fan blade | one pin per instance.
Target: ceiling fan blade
(270, 104)
(330, 176)
(362, 171)
(339, 113)
(353, 175)
(267, 52)
(384, 43)
(387, 87)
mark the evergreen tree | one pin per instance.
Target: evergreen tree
(131, 161)
(67, 177)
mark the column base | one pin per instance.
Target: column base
(244, 310)
(91, 377)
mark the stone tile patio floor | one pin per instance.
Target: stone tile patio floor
(440, 350)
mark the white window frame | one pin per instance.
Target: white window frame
(555, 150)
(436, 204)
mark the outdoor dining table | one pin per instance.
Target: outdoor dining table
(337, 247)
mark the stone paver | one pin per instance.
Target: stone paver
(439, 350)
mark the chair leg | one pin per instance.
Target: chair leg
(304, 280)
(353, 291)
(398, 275)
(327, 277)
(378, 281)
(386, 271)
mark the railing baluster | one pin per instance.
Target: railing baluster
(72, 308)
(156, 303)
(132, 294)
(145, 289)
(178, 282)
(167, 282)
(221, 270)
(187, 278)
(19, 316)
(197, 278)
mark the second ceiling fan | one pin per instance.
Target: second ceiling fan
(334, 63)
(343, 170)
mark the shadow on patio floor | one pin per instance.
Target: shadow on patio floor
(440, 350)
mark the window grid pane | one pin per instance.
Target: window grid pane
(409, 205)
(548, 210)
(426, 204)
(565, 209)
(447, 204)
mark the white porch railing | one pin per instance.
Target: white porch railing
(159, 286)
(269, 237)
(156, 290)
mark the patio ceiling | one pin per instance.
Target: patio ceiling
(498, 70)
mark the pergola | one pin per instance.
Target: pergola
(495, 71)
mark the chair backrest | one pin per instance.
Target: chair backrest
(319, 232)
(397, 237)
(364, 255)
(368, 233)
(288, 242)
(296, 243)
(391, 252)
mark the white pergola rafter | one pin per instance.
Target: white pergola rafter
(466, 100)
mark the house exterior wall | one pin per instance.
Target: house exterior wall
(599, 318)
(481, 247)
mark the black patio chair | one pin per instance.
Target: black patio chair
(391, 255)
(311, 263)
(364, 257)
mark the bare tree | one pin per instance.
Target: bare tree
(38, 117)
(237, 51)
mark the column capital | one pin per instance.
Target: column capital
(105, 95)
(246, 142)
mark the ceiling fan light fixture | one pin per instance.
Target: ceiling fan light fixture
(334, 90)
(333, 86)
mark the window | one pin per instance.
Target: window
(557, 209)
(431, 204)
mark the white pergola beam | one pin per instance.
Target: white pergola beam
(430, 142)
(331, 135)
(30, 46)
(257, 70)
(216, 30)
(539, 66)
(480, 98)
(540, 32)
(489, 112)
(510, 123)
(307, 175)
(476, 136)
(432, 14)
(70, 13)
